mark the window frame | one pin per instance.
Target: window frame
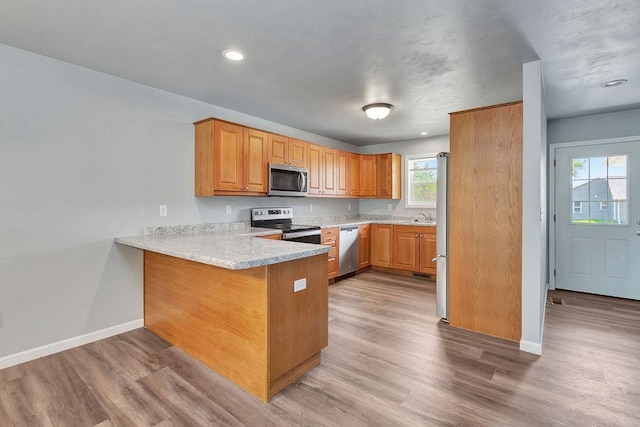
(579, 207)
(407, 160)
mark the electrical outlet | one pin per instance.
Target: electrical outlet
(390, 207)
(227, 209)
(348, 206)
(162, 210)
(300, 284)
(310, 207)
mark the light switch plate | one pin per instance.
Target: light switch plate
(310, 207)
(300, 284)
(227, 209)
(162, 210)
(390, 207)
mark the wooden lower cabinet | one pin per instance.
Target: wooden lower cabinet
(272, 237)
(381, 245)
(414, 247)
(364, 243)
(248, 325)
(330, 237)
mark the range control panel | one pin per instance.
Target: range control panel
(271, 213)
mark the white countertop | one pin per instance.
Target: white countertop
(233, 249)
(235, 246)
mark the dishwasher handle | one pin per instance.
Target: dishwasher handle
(349, 228)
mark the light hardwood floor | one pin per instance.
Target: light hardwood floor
(389, 362)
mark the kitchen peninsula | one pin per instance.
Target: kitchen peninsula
(254, 310)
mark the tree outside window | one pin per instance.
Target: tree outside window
(421, 181)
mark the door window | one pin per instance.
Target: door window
(599, 190)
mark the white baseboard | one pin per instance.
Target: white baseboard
(56, 347)
(531, 347)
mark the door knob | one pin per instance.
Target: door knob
(637, 232)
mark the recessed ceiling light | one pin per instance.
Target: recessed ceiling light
(377, 111)
(424, 133)
(613, 83)
(234, 55)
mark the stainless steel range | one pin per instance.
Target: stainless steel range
(282, 219)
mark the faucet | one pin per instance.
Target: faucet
(427, 216)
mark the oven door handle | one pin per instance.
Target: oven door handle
(288, 236)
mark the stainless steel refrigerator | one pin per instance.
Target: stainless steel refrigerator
(442, 238)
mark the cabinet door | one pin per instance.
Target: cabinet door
(381, 244)
(329, 171)
(255, 161)
(406, 249)
(353, 180)
(368, 175)
(278, 149)
(342, 173)
(427, 253)
(364, 242)
(298, 153)
(330, 238)
(228, 156)
(315, 169)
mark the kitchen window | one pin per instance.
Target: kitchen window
(420, 179)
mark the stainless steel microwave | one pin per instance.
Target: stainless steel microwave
(290, 181)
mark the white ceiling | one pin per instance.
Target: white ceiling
(313, 64)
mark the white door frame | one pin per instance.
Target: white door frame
(552, 193)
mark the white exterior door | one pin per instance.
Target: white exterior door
(598, 219)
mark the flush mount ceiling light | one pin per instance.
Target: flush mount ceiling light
(424, 133)
(614, 83)
(234, 55)
(377, 111)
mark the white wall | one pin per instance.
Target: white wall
(86, 157)
(534, 209)
(431, 145)
(597, 126)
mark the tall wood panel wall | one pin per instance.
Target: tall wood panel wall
(485, 240)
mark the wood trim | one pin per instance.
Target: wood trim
(473, 110)
(290, 377)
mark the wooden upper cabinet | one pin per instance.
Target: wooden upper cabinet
(330, 185)
(316, 177)
(353, 172)
(230, 159)
(228, 156)
(388, 176)
(287, 151)
(255, 154)
(485, 252)
(322, 170)
(342, 173)
(298, 153)
(368, 175)
(278, 149)
(381, 245)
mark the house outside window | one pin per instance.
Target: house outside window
(599, 190)
(420, 179)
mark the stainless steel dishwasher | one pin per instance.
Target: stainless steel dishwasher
(349, 254)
